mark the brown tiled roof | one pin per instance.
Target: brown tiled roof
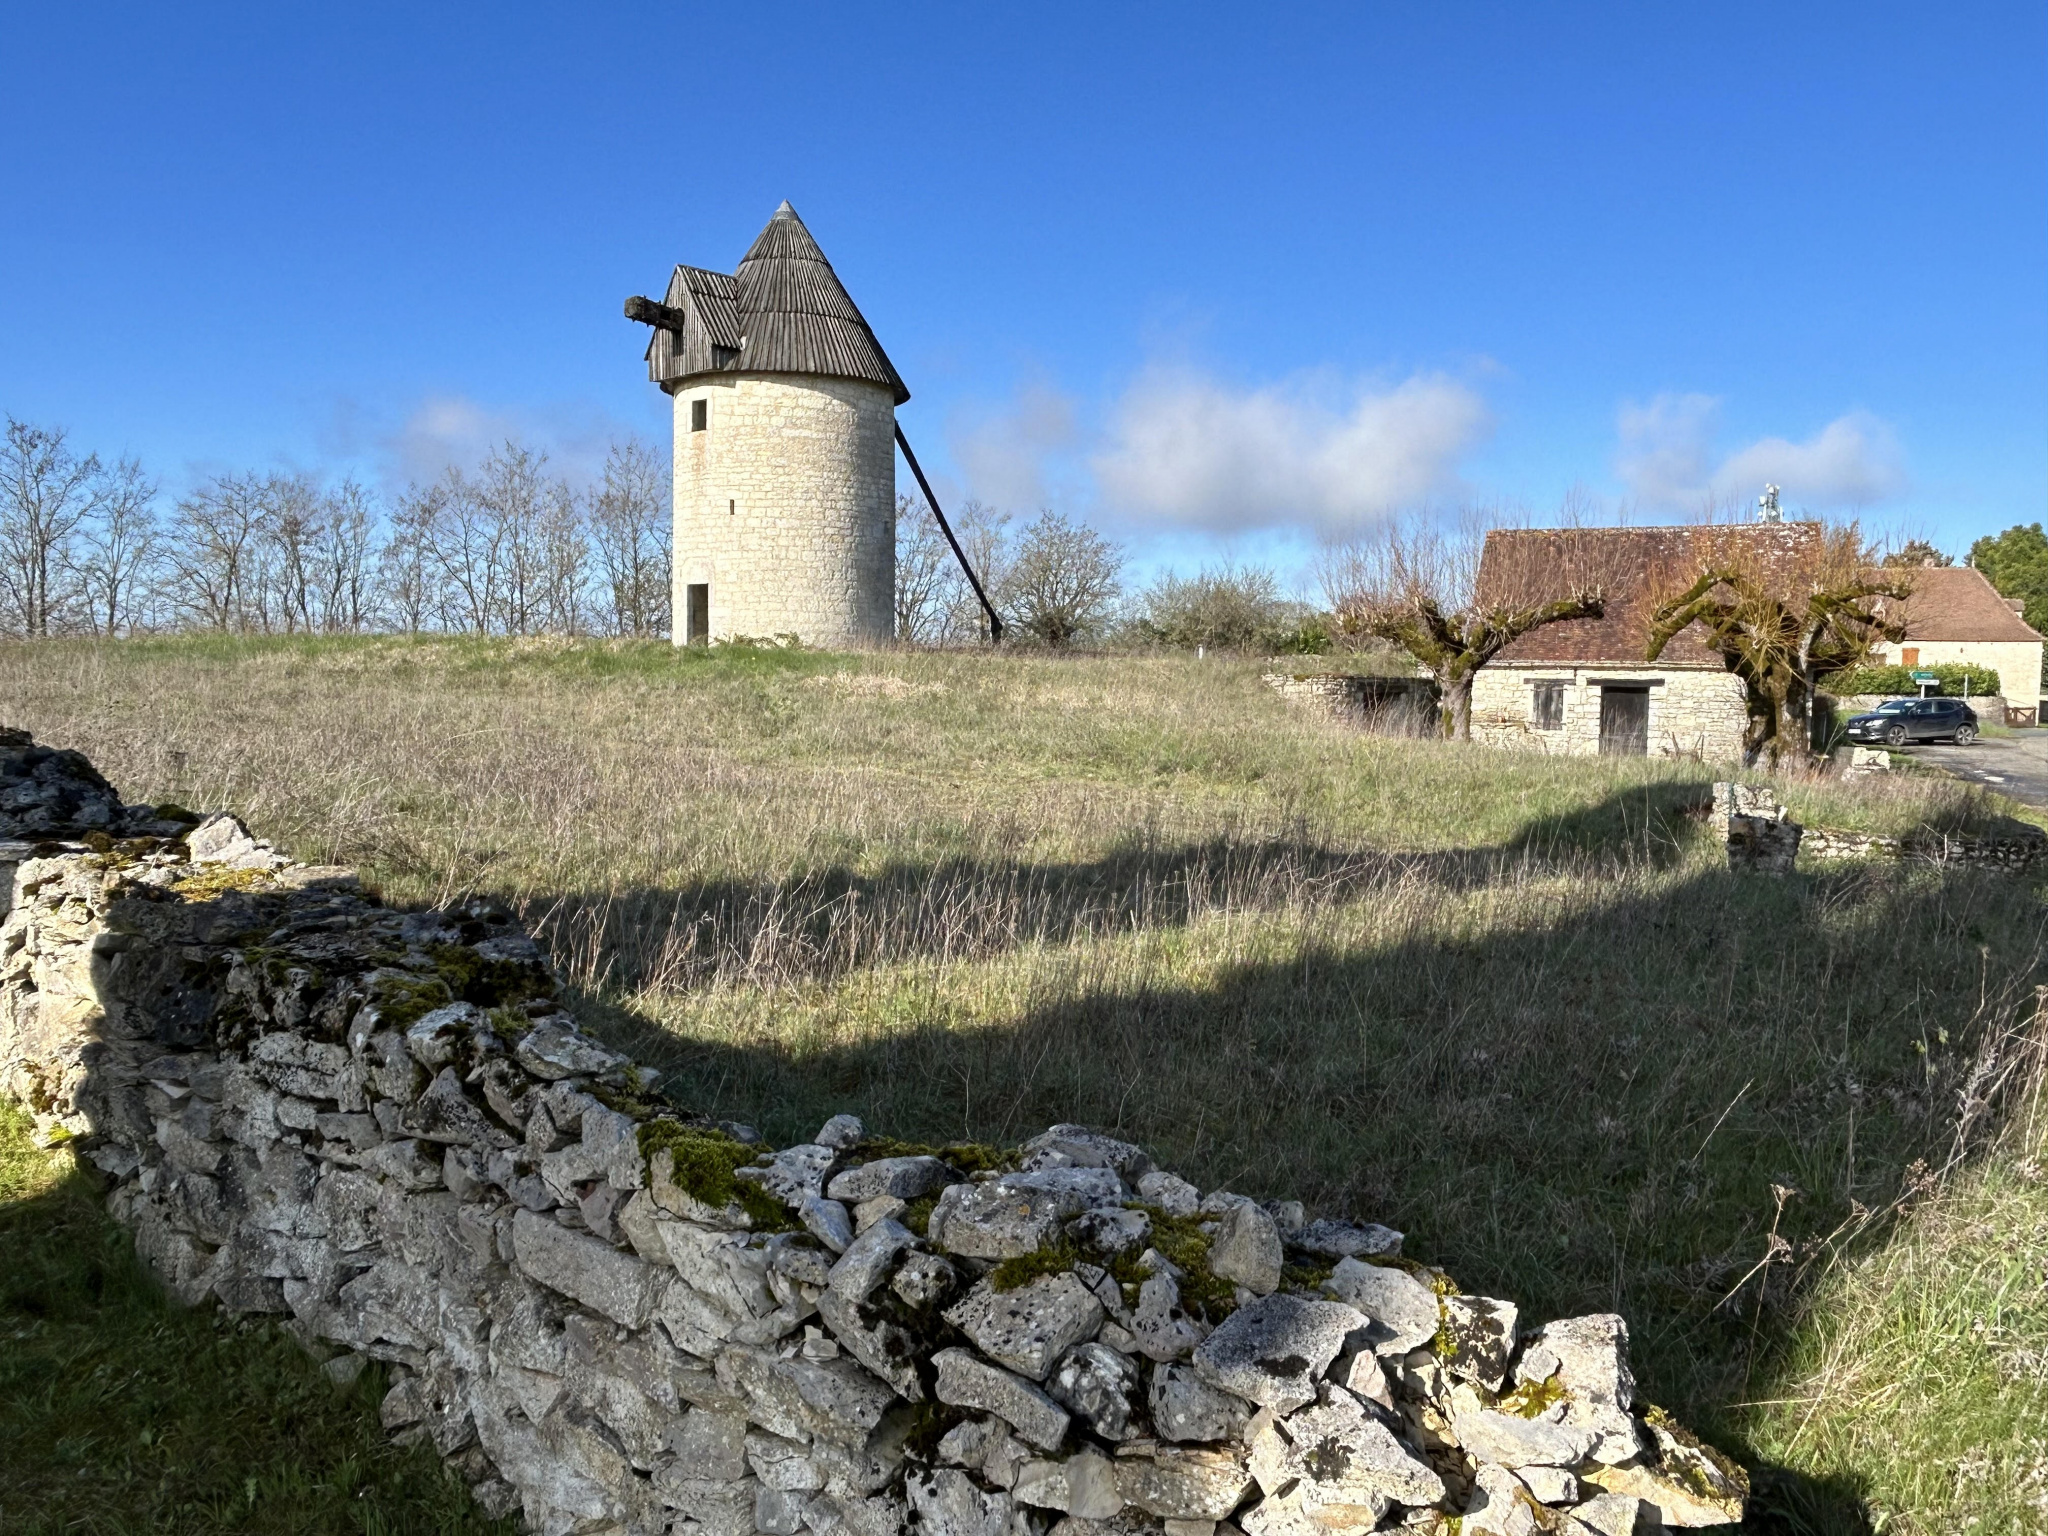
(1636, 568)
(1959, 603)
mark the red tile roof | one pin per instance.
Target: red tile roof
(1637, 568)
(1959, 603)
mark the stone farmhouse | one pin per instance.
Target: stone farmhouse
(1582, 686)
(1956, 615)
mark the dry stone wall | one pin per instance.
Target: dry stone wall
(1761, 835)
(616, 1316)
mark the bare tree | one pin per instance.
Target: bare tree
(285, 597)
(215, 557)
(985, 538)
(116, 551)
(926, 575)
(340, 558)
(465, 543)
(1427, 588)
(46, 491)
(407, 564)
(629, 527)
(1064, 581)
(562, 556)
(1781, 625)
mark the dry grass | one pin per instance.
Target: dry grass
(1512, 1005)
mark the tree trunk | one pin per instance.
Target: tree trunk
(1457, 707)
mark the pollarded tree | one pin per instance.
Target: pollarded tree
(1782, 626)
(1427, 589)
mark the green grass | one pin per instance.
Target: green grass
(122, 1413)
(1515, 1006)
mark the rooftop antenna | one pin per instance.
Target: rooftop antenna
(1767, 506)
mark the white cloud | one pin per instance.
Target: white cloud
(1667, 460)
(1005, 455)
(454, 431)
(1184, 448)
(1851, 462)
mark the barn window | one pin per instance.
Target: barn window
(1547, 713)
(700, 415)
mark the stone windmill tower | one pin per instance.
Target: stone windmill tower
(785, 464)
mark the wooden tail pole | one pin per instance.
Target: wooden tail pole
(995, 620)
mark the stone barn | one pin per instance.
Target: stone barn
(785, 465)
(1582, 686)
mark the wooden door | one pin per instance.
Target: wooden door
(1624, 722)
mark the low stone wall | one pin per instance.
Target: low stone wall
(1761, 835)
(1405, 705)
(616, 1316)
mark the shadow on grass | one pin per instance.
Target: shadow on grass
(1586, 1109)
(120, 1412)
(828, 922)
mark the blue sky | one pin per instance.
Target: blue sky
(1221, 279)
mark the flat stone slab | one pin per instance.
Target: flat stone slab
(1181, 1482)
(1273, 1351)
(967, 1381)
(1029, 1328)
(905, 1178)
(1346, 1240)
(615, 1284)
(1019, 1213)
(1341, 1455)
(1404, 1311)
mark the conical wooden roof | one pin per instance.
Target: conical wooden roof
(784, 311)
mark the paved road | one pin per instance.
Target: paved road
(2016, 765)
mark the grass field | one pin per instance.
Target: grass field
(1512, 1005)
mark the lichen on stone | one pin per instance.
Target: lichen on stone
(1532, 1398)
(217, 880)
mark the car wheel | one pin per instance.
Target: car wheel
(1965, 734)
(1895, 736)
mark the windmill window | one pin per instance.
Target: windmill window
(1547, 711)
(700, 415)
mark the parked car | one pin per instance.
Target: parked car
(1899, 721)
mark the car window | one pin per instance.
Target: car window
(1895, 707)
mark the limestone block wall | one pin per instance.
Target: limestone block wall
(785, 507)
(1694, 712)
(619, 1318)
(1394, 705)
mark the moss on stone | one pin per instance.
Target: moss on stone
(968, 1157)
(1305, 1277)
(487, 983)
(918, 1214)
(403, 1001)
(1692, 1478)
(216, 880)
(1054, 1259)
(1532, 1398)
(1182, 1240)
(702, 1164)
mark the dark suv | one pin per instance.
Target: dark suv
(1902, 720)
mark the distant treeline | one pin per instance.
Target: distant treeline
(88, 547)
(92, 547)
